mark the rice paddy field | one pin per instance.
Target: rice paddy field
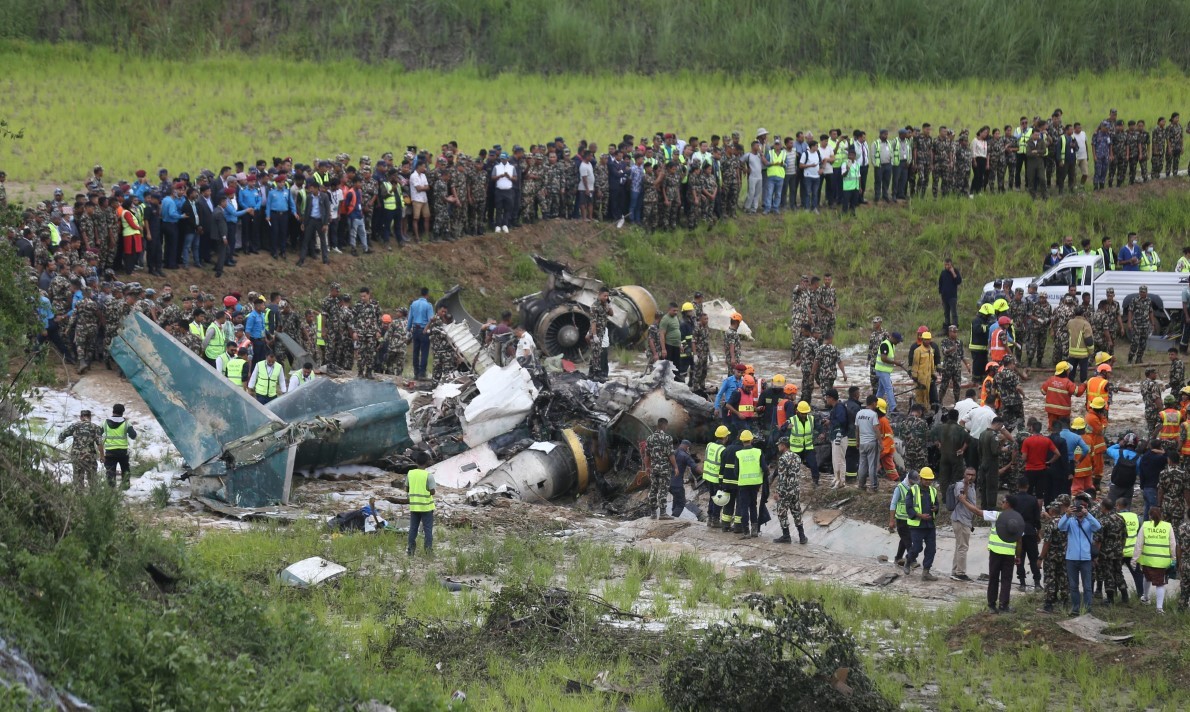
(78, 106)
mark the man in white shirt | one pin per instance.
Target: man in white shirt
(1080, 156)
(966, 405)
(301, 377)
(419, 194)
(268, 379)
(526, 348)
(868, 439)
(811, 162)
(862, 159)
(978, 419)
(755, 170)
(586, 187)
(505, 177)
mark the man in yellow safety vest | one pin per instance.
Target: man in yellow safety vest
(268, 379)
(116, 433)
(421, 487)
(1156, 548)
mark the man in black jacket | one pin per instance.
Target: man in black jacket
(948, 290)
(315, 219)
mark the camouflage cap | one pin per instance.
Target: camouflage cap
(365, 159)
(336, 286)
(1062, 499)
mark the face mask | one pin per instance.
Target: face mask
(1054, 251)
(1150, 250)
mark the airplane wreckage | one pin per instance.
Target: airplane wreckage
(534, 432)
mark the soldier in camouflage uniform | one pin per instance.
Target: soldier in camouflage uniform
(170, 313)
(187, 339)
(288, 322)
(1177, 373)
(394, 343)
(1142, 146)
(1058, 327)
(1054, 130)
(365, 327)
(654, 345)
(600, 311)
(671, 195)
(1158, 146)
(944, 152)
(733, 348)
(1132, 136)
(477, 184)
(923, 161)
(1103, 323)
(343, 353)
(602, 190)
(914, 432)
(85, 448)
(702, 355)
(1119, 155)
(1140, 325)
(649, 197)
(659, 451)
(731, 170)
(60, 291)
(1109, 565)
(1150, 396)
(996, 162)
(952, 363)
(329, 306)
(961, 171)
(445, 360)
(786, 484)
(118, 307)
(86, 319)
(369, 190)
(826, 305)
(440, 198)
(555, 176)
(459, 182)
(1017, 308)
(807, 355)
(1008, 385)
(693, 194)
(710, 191)
(1053, 554)
(826, 366)
(88, 231)
(1172, 486)
(532, 188)
(878, 335)
(801, 311)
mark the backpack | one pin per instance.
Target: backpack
(951, 498)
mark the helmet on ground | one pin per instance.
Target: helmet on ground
(1061, 368)
(1098, 403)
(722, 431)
(803, 407)
(746, 436)
(779, 379)
(926, 473)
(721, 498)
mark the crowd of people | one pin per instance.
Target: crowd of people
(331, 206)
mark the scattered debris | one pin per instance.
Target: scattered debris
(1090, 628)
(885, 580)
(16, 672)
(825, 517)
(311, 572)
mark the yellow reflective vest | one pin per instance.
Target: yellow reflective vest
(420, 499)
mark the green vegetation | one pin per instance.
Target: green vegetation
(207, 113)
(930, 39)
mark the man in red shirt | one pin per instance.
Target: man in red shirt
(1039, 451)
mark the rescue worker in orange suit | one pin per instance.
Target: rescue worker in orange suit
(987, 390)
(887, 446)
(1096, 424)
(1059, 391)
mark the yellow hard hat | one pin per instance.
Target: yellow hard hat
(1000, 305)
(1098, 403)
(746, 436)
(987, 309)
(926, 473)
(1185, 389)
(779, 379)
(722, 431)
(1061, 368)
(1078, 424)
(687, 307)
(1102, 357)
(803, 407)
(925, 335)
(881, 404)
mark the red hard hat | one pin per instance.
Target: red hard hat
(230, 301)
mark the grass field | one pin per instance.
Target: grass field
(79, 106)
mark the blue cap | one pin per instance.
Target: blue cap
(503, 155)
(897, 335)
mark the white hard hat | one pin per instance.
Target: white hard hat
(721, 498)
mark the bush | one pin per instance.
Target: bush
(791, 662)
